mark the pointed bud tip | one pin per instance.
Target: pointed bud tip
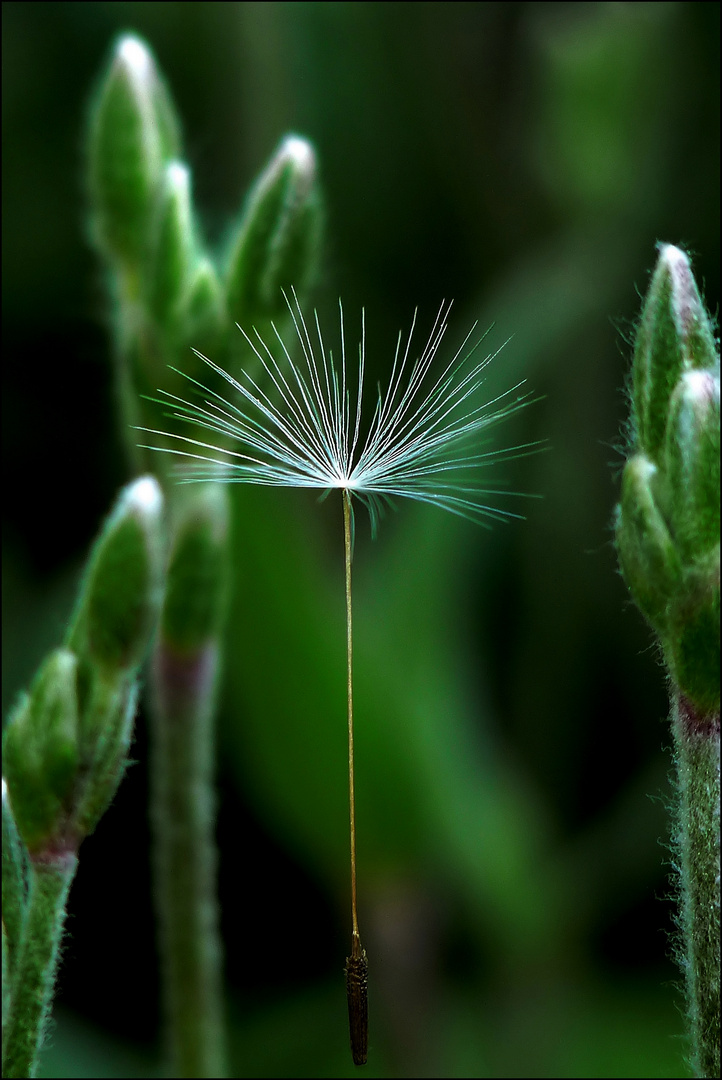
(297, 152)
(177, 174)
(677, 265)
(144, 495)
(672, 255)
(300, 151)
(134, 54)
(692, 321)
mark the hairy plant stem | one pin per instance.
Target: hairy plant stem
(697, 849)
(51, 875)
(14, 886)
(183, 813)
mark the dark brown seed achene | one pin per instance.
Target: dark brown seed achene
(358, 1014)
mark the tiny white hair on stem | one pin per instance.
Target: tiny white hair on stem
(304, 430)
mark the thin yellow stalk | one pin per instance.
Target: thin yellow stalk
(356, 963)
(349, 688)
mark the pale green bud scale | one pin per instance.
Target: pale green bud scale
(692, 463)
(174, 247)
(658, 355)
(647, 554)
(108, 756)
(202, 315)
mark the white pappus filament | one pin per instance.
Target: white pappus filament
(304, 429)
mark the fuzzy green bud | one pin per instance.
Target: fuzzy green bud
(117, 612)
(134, 132)
(121, 594)
(40, 751)
(197, 580)
(278, 239)
(668, 521)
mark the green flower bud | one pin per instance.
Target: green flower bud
(40, 752)
(647, 555)
(674, 335)
(197, 580)
(174, 250)
(279, 236)
(134, 132)
(120, 597)
(668, 522)
(692, 463)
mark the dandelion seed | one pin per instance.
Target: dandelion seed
(300, 425)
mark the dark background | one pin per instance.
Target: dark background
(513, 760)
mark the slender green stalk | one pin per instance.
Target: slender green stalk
(183, 812)
(697, 844)
(14, 889)
(184, 679)
(7, 989)
(37, 962)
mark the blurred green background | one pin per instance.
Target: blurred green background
(512, 746)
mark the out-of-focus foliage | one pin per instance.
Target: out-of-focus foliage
(511, 734)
